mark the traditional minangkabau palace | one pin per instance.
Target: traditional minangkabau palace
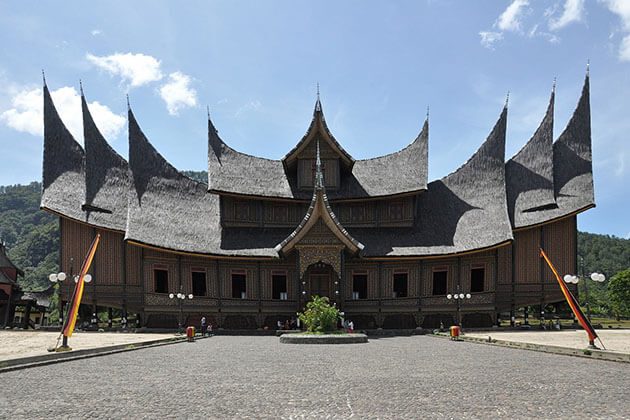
(374, 236)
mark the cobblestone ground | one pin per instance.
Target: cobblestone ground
(257, 377)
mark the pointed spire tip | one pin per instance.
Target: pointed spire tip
(128, 105)
(81, 87)
(44, 77)
(588, 68)
(507, 99)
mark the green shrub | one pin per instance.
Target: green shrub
(319, 316)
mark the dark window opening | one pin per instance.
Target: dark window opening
(279, 286)
(161, 280)
(439, 282)
(239, 286)
(400, 285)
(359, 286)
(199, 283)
(477, 277)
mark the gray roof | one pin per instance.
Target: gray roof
(572, 167)
(169, 210)
(107, 178)
(230, 171)
(466, 210)
(63, 186)
(529, 175)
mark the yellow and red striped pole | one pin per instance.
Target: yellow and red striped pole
(575, 307)
(71, 319)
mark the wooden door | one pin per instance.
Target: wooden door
(319, 284)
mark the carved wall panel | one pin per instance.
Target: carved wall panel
(310, 255)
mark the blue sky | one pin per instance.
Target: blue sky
(379, 65)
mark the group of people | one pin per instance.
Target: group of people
(206, 329)
(289, 324)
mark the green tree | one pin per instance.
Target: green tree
(319, 316)
(619, 293)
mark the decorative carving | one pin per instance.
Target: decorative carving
(310, 255)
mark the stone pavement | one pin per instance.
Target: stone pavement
(614, 340)
(257, 377)
(14, 344)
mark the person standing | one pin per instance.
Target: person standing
(203, 326)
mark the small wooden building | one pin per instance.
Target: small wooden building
(262, 236)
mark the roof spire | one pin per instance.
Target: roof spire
(318, 91)
(208, 109)
(507, 99)
(43, 77)
(318, 104)
(128, 106)
(427, 112)
(81, 87)
(553, 88)
(319, 177)
(588, 68)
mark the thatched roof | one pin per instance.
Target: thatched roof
(230, 171)
(63, 186)
(169, 210)
(572, 167)
(466, 210)
(106, 179)
(529, 175)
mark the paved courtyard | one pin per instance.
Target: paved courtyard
(257, 377)
(15, 344)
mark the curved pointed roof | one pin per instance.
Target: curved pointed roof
(230, 171)
(318, 125)
(169, 210)
(63, 180)
(529, 174)
(572, 165)
(464, 211)
(319, 210)
(106, 180)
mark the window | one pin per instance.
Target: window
(400, 285)
(477, 277)
(279, 286)
(199, 283)
(439, 282)
(160, 278)
(359, 285)
(239, 285)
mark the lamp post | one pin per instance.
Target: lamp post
(596, 277)
(181, 297)
(458, 297)
(59, 278)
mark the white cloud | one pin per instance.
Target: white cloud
(488, 38)
(622, 9)
(177, 93)
(573, 12)
(509, 20)
(27, 115)
(96, 32)
(137, 69)
(249, 106)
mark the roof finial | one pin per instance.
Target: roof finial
(44, 77)
(318, 91)
(319, 177)
(427, 112)
(553, 88)
(81, 87)
(208, 109)
(128, 106)
(588, 67)
(507, 99)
